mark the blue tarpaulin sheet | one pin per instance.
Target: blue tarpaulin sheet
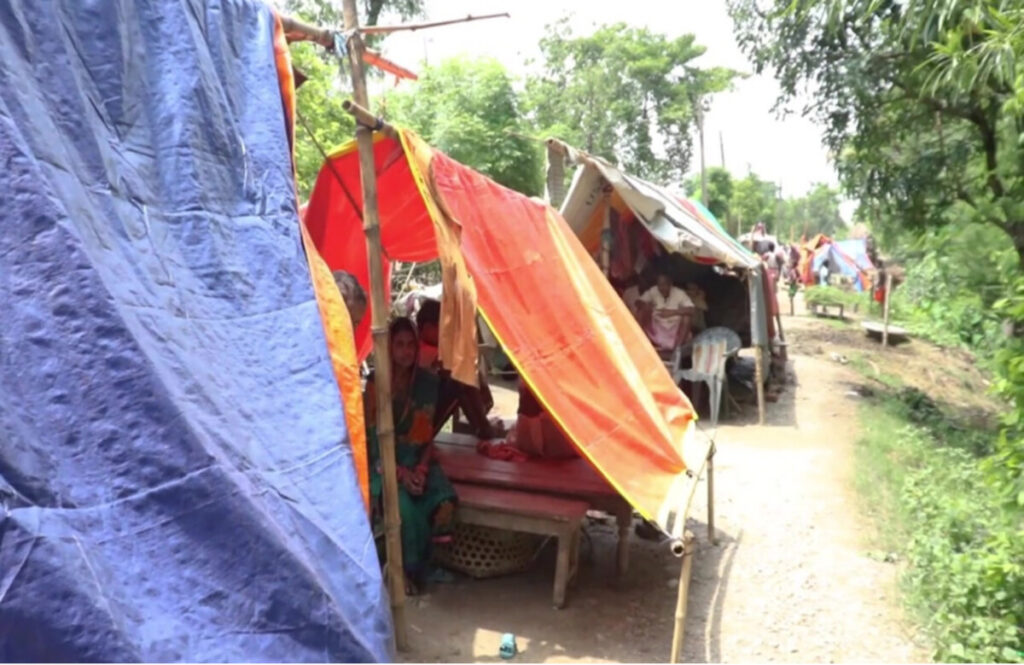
(175, 477)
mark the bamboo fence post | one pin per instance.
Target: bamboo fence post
(759, 377)
(681, 598)
(711, 494)
(606, 237)
(885, 321)
(379, 326)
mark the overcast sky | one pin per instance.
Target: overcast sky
(787, 151)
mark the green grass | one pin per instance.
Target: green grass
(926, 490)
(863, 365)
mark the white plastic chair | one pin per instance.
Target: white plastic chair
(709, 355)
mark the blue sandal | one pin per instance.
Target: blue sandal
(440, 576)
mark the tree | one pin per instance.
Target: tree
(817, 212)
(322, 122)
(318, 100)
(720, 187)
(328, 12)
(623, 93)
(922, 100)
(753, 200)
(469, 110)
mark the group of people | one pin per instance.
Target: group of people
(424, 397)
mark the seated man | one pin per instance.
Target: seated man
(536, 433)
(668, 314)
(476, 403)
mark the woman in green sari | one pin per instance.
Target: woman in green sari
(426, 499)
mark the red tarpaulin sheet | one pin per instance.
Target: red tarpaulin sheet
(562, 324)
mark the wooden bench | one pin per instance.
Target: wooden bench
(821, 309)
(541, 514)
(573, 478)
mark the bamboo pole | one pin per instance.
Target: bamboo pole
(412, 27)
(703, 171)
(682, 597)
(297, 31)
(363, 117)
(759, 377)
(606, 237)
(885, 320)
(379, 326)
(711, 494)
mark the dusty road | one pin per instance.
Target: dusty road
(791, 579)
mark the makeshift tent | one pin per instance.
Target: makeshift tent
(571, 338)
(679, 225)
(175, 479)
(843, 257)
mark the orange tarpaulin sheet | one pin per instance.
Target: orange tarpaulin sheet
(564, 327)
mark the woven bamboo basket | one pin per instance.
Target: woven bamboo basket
(482, 552)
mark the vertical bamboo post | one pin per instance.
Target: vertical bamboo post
(885, 321)
(759, 377)
(606, 237)
(703, 172)
(379, 326)
(681, 598)
(711, 494)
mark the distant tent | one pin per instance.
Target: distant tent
(845, 257)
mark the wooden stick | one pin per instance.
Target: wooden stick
(379, 326)
(368, 120)
(711, 494)
(297, 31)
(411, 27)
(759, 377)
(885, 321)
(682, 596)
(606, 241)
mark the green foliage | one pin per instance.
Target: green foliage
(830, 295)
(753, 200)
(321, 119)
(469, 110)
(817, 212)
(328, 12)
(965, 550)
(1006, 467)
(622, 91)
(922, 101)
(741, 203)
(954, 276)
(720, 186)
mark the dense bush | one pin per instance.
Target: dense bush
(964, 548)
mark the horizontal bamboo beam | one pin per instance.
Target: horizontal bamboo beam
(298, 31)
(388, 29)
(367, 119)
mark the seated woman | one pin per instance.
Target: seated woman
(536, 432)
(426, 499)
(475, 402)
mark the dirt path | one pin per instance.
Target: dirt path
(790, 580)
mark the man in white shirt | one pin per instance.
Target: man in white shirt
(669, 310)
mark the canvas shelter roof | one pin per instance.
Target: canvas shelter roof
(680, 225)
(563, 326)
